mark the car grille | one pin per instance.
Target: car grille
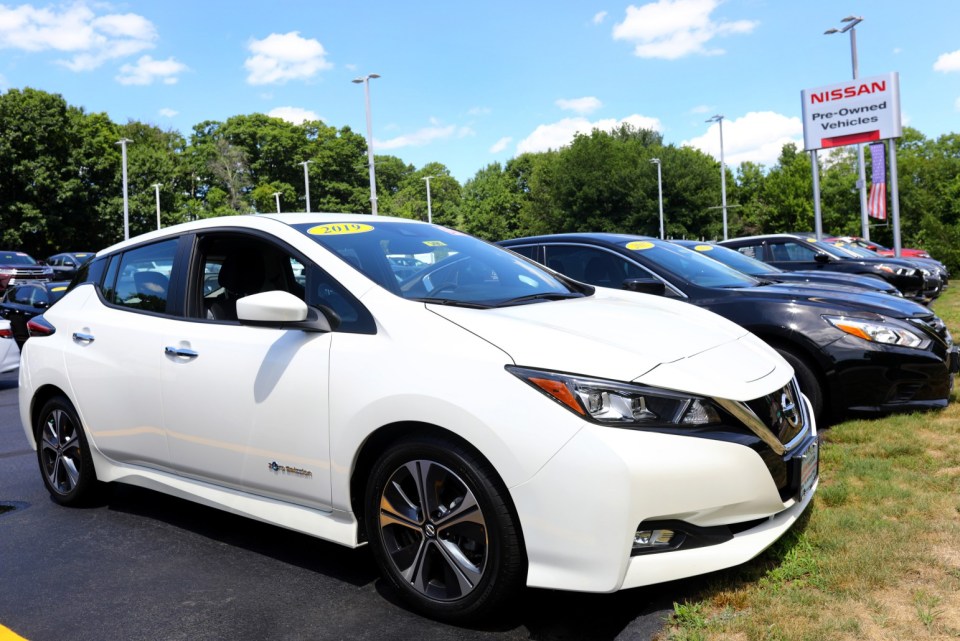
(934, 325)
(35, 273)
(779, 418)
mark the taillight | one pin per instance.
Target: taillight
(40, 326)
(6, 333)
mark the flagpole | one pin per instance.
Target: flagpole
(894, 196)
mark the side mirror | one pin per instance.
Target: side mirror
(41, 304)
(284, 310)
(822, 258)
(645, 286)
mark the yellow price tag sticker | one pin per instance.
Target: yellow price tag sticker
(640, 245)
(337, 229)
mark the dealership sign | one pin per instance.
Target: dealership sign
(856, 111)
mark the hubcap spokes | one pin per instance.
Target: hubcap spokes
(60, 452)
(433, 530)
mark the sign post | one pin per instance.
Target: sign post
(853, 112)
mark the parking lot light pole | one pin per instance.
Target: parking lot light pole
(656, 161)
(851, 24)
(306, 181)
(723, 174)
(126, 202)
(429, 206)
(156, 188)
(373, 178)
(276, 195)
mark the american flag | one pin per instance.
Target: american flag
(877, 202)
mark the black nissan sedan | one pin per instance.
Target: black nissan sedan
(797, 251)
(20, 303)
(851, 351)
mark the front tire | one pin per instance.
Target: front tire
(63, 453)
(442, 530)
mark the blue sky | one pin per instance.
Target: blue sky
(468, 84)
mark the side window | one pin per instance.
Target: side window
(232, 266)
(588, 265)
(141, 279)
(792, 252)
(753, 251)
(21, 295)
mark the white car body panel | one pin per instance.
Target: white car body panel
(9, 352)
(310, 401)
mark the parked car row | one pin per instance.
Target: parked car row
(393, 383)
(17, 267)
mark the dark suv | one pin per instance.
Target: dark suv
(18, 267)
(850, 350)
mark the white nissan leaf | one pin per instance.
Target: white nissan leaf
(481, 422)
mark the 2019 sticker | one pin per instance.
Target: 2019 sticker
(640, 244)
(335, 229)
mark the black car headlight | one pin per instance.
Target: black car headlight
(620, 404)
(885, 331)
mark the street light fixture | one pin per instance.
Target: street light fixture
(723, 174)
(156, 188)
(373, 179)
(276, 195)
(429, 206)
(851, 24)
(306, 182)
(126, 202)
(656, 161)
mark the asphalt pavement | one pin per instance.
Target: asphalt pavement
(142, 565)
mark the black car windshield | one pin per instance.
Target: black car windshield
(731, 258)
(827, 248)
(687, 264)
(16, 258)
(855, 250)
(434, 264)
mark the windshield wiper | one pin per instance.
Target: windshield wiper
(532, 298)
(453, 302)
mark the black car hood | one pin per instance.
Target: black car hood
(848, 299)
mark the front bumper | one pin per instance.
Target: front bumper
(580, 512)
(869, 377)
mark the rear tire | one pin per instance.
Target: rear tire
(441, 528)
(808, 381)
(63, 454)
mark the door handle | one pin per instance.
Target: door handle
(80, 337)
(180, 352)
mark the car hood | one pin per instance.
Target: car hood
(627, 336)
(843, 299)
(873, 284)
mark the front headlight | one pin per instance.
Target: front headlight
(620, 404)
(878, 331)
(896, 269)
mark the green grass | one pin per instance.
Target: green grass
(878, 554)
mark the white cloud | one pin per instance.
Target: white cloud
(956, 103)
(500, 145)
(672, 29)
(599, 17)
(295, 115)
(147, 70)
(479, 111)
(76, 30)
(282, 57)
(585, 105)
(167, 112)
(948, 62)
(560, 134)
(424, 136)
(758, 137)
(701, 109)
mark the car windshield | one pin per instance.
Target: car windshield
(833, 250)
(689, 265)
(434, 264)
(732, 258)
(16, 258)
(856, 250)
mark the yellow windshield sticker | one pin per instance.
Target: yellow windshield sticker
(334, 229)
(58, 289)
(640, 244)
(434, 243)
(704, 248)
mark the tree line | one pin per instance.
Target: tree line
(61, 182)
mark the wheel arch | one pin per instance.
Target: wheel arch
(40, 398)
(383, 438)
